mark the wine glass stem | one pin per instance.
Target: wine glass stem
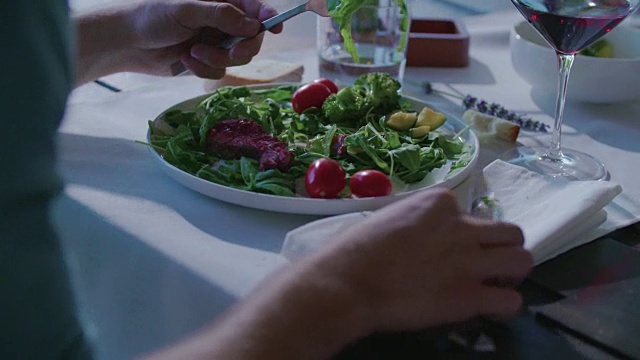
(564, 62)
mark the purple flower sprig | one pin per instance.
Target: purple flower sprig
(493, 109)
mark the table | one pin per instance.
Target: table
(152, 261)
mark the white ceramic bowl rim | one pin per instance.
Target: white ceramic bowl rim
(525, 31)
(593, 79)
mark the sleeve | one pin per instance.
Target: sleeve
(37, 311)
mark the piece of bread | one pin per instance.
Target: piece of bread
(259, 71)
(489, 127)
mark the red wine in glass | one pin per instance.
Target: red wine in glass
(574, 29)
(568, 26)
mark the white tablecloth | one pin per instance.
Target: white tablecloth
(153, 260)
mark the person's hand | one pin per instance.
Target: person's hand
(421, 263)
(415, 264)
(188, 31)
(153, 36)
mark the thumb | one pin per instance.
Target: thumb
(220, 15)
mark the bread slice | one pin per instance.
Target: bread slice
(259, 71)
(488, 127)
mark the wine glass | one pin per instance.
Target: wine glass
(568, 26)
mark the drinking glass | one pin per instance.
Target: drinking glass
(380, 42)
(568, 26)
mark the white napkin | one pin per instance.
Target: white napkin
(308, 237)
(552, 213)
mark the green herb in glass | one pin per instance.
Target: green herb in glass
(342, 12)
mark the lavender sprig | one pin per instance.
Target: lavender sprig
(493, 109)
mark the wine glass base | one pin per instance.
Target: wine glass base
(571, 165)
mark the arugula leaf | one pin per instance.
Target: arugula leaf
(367, 150)
(244, 174)
(178, 117)
(409, 156)
(248, 172)
(272, 181)
(278, 94)
(188, 161)
(450, 147)
(321, 144)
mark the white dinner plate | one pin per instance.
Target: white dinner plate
(311, 206)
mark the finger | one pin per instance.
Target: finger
(438, 205)
(211, 56)
(500, 302)
(215, 57)
(439, 200)
(245, 50)
(267, 12)
(492, 233)
(208, 50)
(434, 206)
(258, 10)
(220, 15)
(510, 265)
(202, 70)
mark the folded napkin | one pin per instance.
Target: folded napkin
(552, 213)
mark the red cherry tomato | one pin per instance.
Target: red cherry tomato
(310, 95)
(328, 83)
(370, 183)
(325, 179)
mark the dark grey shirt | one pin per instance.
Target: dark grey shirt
(37, 313)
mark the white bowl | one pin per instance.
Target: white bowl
(592, 79)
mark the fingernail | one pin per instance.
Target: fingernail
(197, 51)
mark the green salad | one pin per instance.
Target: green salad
(357, 115)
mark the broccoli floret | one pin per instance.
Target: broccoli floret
(371, 96)
(347, 106)
(382, 91)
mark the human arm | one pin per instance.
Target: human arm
(415, 264)
(151, 36)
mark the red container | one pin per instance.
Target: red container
(437, 43)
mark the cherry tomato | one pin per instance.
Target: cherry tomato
(370, 183)
(310, 95)
(325, 179)
(328, 83)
